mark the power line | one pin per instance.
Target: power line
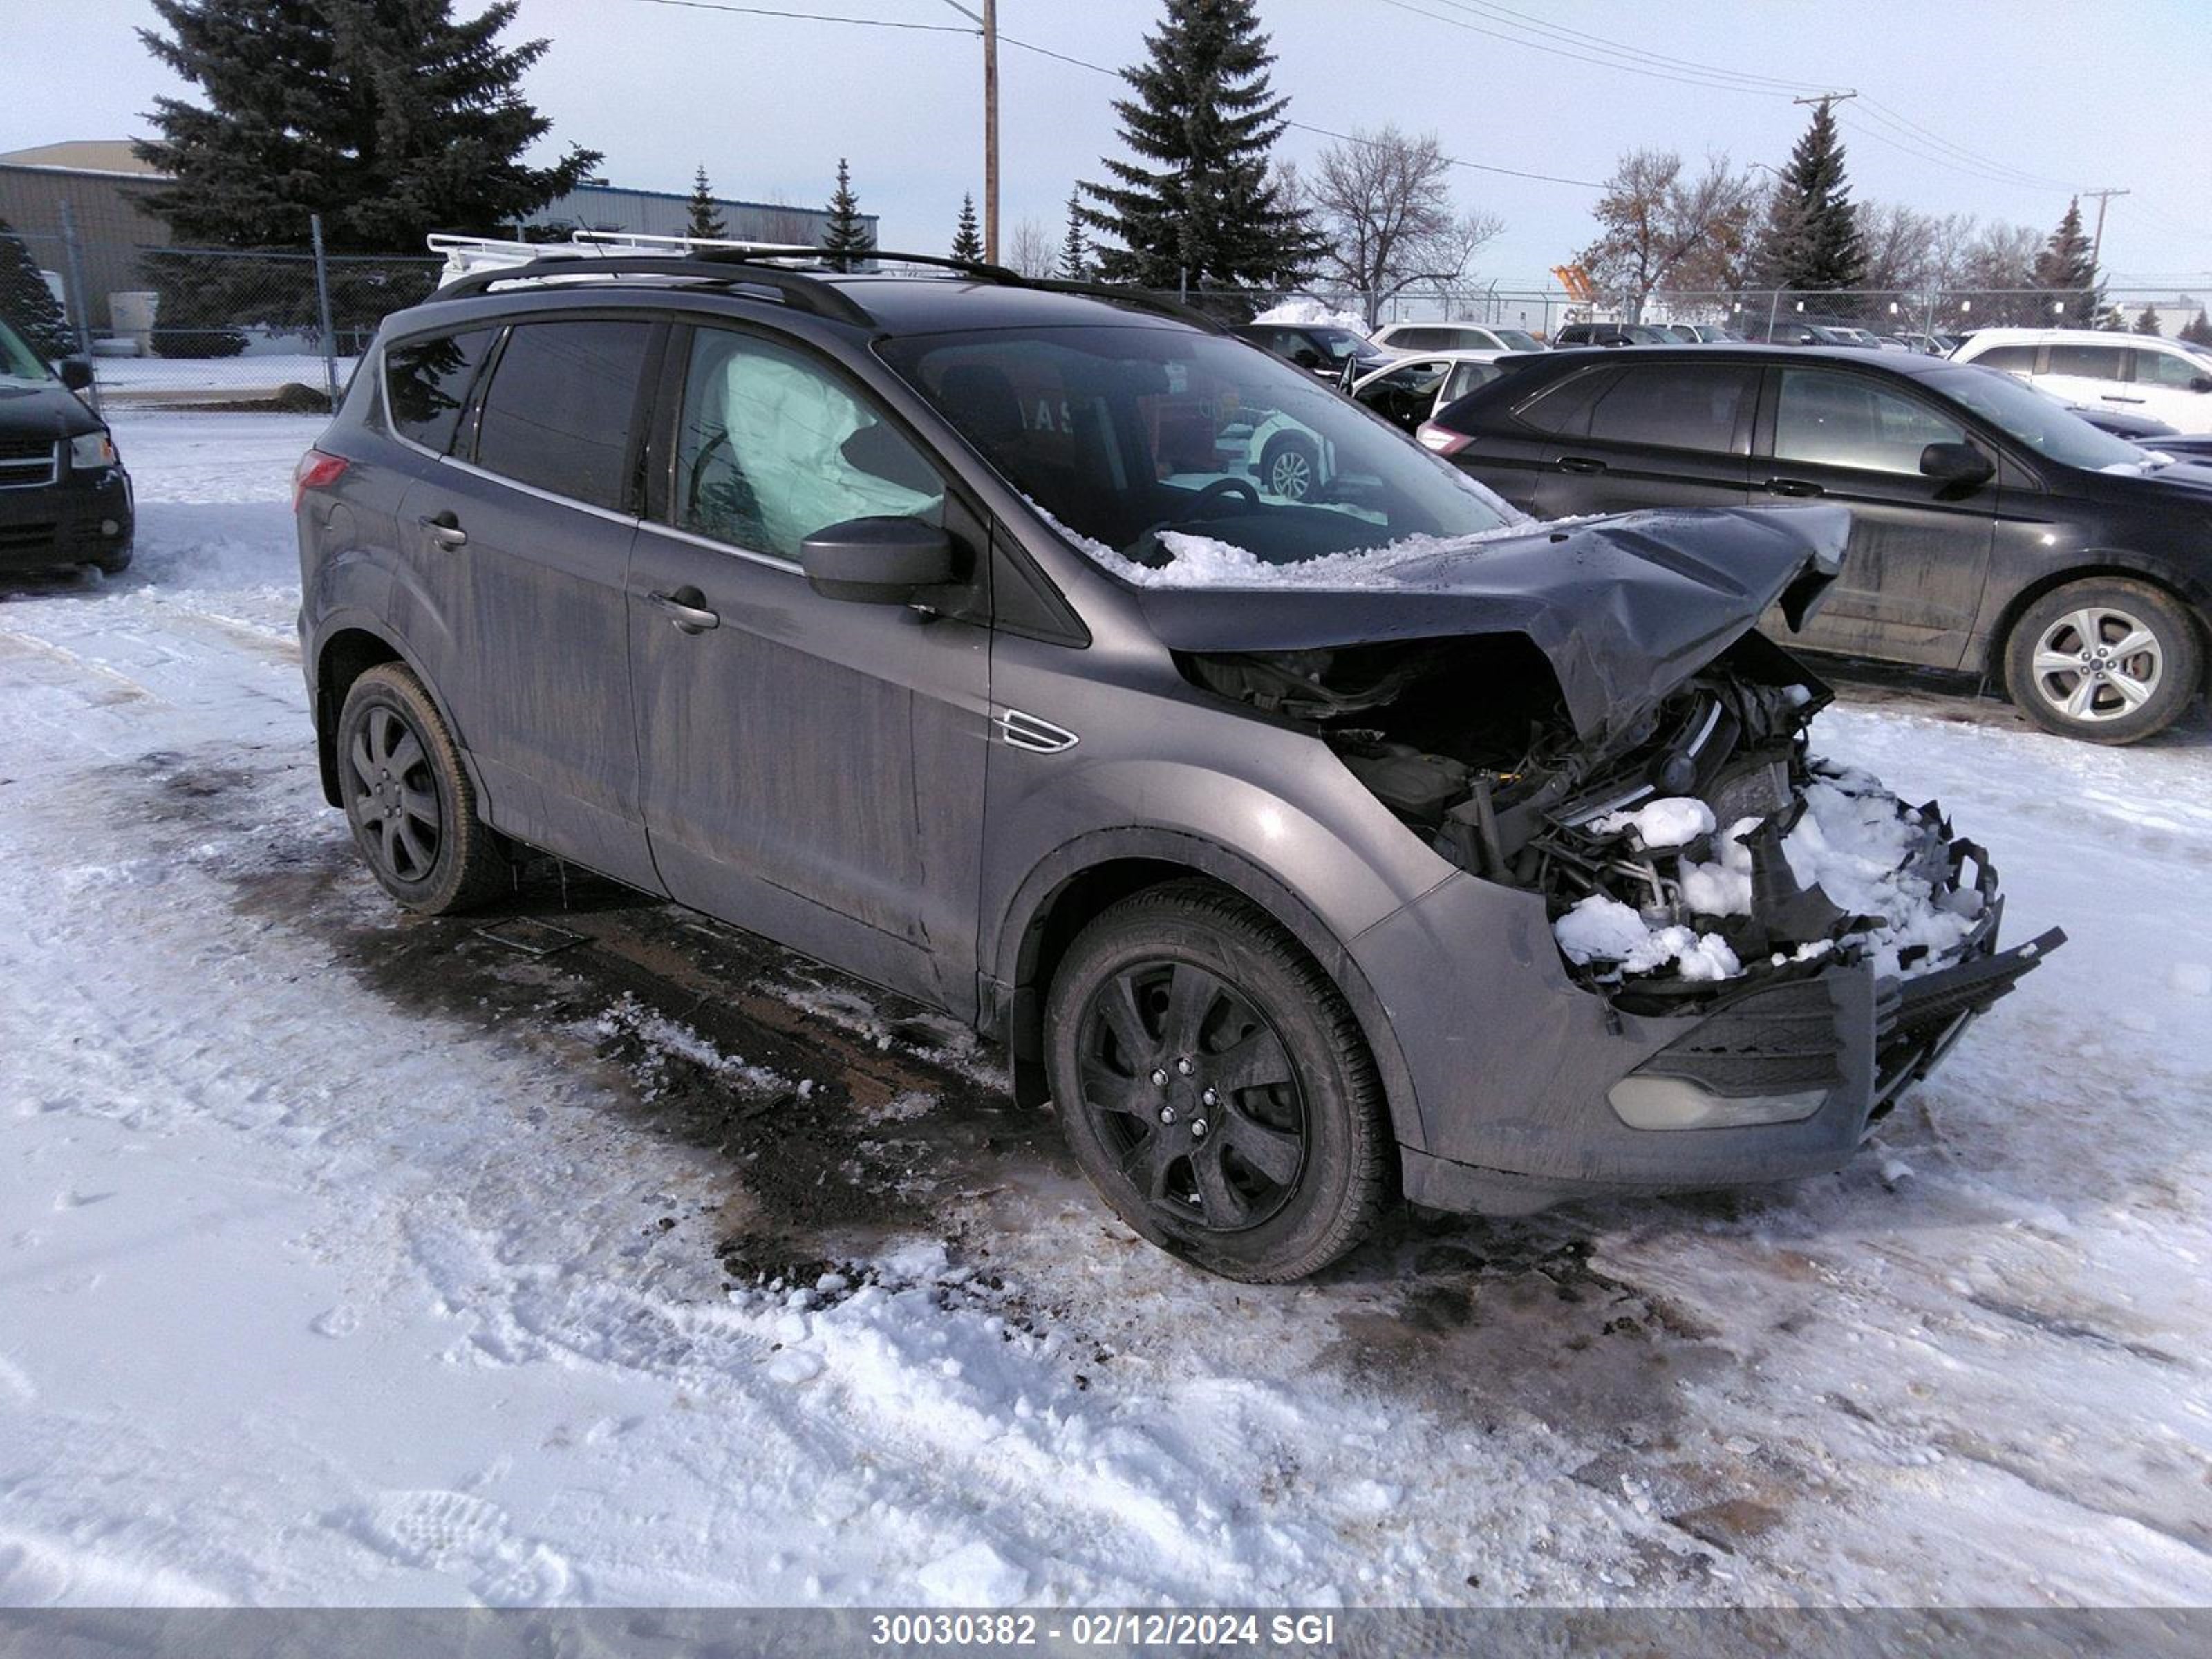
(817, 16)
(1710, 82)
(1521, 20)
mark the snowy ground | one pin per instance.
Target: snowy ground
(350, 1258)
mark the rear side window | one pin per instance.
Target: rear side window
(2092, 362)
(426, 382)
(1564, 409)
(2018, 359)
(559, 412)
(1692, 406)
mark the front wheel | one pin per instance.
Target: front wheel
(2105, 659)
(1214, 1086)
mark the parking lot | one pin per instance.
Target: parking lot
(356, 1257)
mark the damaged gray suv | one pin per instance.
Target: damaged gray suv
(1305, 854)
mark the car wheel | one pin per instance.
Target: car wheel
(1290, 467)
(408, 799)
(2105, 659)
(1214, 1086)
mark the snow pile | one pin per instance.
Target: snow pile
(1312, 313)
(1856, 842)
(1670, 821)
(1602, 929)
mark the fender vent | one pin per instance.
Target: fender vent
(1039, 737)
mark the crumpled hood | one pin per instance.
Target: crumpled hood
(1624, 608)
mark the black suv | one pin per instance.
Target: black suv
(1317, 348)
(65, 497)
(945, 630)
(1609, 334)
(1994, 532)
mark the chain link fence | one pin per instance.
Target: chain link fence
(201, 328)
(1755, 315)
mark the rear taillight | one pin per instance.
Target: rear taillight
(316, 470)
(1441, 439)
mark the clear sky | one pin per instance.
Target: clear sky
(1996, 107)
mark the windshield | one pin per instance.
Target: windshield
(2047, 427)
(1339, 343)
(18, 363)
(1139, 441)
(1515, 339)
(1638, 334)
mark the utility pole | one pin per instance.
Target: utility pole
(2096, 242)
(988, 22)
(990, 133)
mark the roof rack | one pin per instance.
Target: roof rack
(474, 264)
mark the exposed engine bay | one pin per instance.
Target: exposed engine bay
(1699, 846)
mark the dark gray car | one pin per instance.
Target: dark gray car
(1305, 852)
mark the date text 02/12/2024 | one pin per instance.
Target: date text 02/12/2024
(1306, 1630)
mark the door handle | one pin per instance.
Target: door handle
(687, 611)
(444, 529)
(1792, 487)
(1581, 464)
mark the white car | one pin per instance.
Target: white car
(1404, 338)
(2140, 374)
(1409, 392)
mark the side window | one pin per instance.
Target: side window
(771, 447)
(1564, 409)
(426, 382)
(1692, 406)
(559, 412)
(1466, 377)
(2094, 363)
(2017, 359)
(2168, 368)
(1832, 419)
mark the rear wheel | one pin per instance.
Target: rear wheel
(2105, 659)
(408, 799)
(1214, 1086)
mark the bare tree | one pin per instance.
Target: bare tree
(1382, 202)
(1899, 244)
(1031, 251)
(1658, 228)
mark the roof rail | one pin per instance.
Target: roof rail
(803, 290)
(476, 264)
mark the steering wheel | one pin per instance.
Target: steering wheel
(1216, 489)
(1213, 492)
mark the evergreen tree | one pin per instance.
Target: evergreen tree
(2065, 272)
(846, 240)
(2198, 331)
(706, 223)
(1197, 204)
(2151, 322)
(967, 238)
(1074, 253)
(27, 304)
(391, 118)
(1811, 240)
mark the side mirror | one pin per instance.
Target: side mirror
(2202, 383)
(77, 372)
(1306, 357)
(876, 560)
(1956, 463)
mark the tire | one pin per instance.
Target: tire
(1290, 468)
(2151, 664)
(408, 800)
(1158, 1004)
